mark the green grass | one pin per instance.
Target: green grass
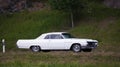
(18, 64)
(59, 59)
(24, 23)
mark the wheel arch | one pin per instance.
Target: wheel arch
(34, 45)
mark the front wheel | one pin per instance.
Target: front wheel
(35, 48)
(76, 48)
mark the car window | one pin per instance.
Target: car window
(67, 35)
(54, 36)
(47, 37)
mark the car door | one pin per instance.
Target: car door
(44, 43)
(56, 42)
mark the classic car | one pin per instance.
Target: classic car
(57, 41)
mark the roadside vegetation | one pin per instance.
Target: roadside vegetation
(96, 21)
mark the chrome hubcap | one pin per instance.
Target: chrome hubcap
(35, 48)
(76, 48)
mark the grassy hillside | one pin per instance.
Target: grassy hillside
(30, 24)
(101, 24)
(106, 31)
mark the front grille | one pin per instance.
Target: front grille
(91, 44)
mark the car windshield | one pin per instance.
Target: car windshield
(67, 35)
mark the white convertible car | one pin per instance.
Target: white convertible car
(57, 41)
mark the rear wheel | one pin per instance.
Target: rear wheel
(35, 48)
(76, 48)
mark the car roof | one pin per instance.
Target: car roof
(43, 35)
(55, 33)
